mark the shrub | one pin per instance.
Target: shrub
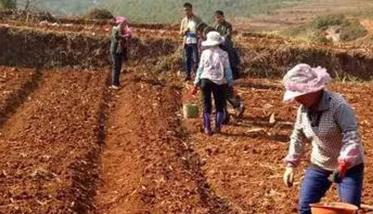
(97, 13)
(352, 30)
(324, 22)
(8, 4)
(349, 29)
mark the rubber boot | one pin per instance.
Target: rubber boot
(207, 124)
(219, 121)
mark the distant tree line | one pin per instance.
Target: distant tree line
(8, 4)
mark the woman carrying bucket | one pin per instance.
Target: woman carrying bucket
(328, 121)
(214, 74)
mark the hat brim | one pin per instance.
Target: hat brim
(120, 22)
(212, 43)
(289, 96)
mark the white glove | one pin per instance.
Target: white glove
(289, 176)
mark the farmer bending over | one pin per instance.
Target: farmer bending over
(328, 121)
(188, 29)
(120, 36)
(213, 75)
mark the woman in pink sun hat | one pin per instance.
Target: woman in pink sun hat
(326, 120)
(120, 36)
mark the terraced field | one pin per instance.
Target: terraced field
(68, 144)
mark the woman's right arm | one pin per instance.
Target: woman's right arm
(296, 146)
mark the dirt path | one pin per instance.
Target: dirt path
(146, 165)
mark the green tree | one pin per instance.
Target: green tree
(8, 4)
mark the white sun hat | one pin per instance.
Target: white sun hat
(303, 79)
(213, 38)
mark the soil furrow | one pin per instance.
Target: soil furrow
(146, 166)
(15, 87)
(49, 147)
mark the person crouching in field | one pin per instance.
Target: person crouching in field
(325, 118)
(214, 74)
(120, 36)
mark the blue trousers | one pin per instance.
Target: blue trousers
(316, 183)
(192, 59)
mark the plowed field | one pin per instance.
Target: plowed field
(68, 144)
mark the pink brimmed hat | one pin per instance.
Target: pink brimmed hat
(303, 79)
(120, 19)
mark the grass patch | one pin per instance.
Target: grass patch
(348, 29)
(323, 22)
(8, 4)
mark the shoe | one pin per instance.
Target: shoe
(114, 87)
(207, 124)
(240, 110)
(219, 121)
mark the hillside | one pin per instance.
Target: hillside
(169, 11)
(289, 18)
(307, 11)
(161, 11)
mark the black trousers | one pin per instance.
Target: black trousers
(210, 88)
(234, 100)
(117, 67)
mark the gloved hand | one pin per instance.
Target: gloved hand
(338, 174)
(289, 176)
(194, 90)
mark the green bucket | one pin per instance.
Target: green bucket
(190, 110)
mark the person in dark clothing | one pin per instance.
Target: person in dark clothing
(120, 36)
(225, 29)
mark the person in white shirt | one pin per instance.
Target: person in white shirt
(188, 29)
(214, 75)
